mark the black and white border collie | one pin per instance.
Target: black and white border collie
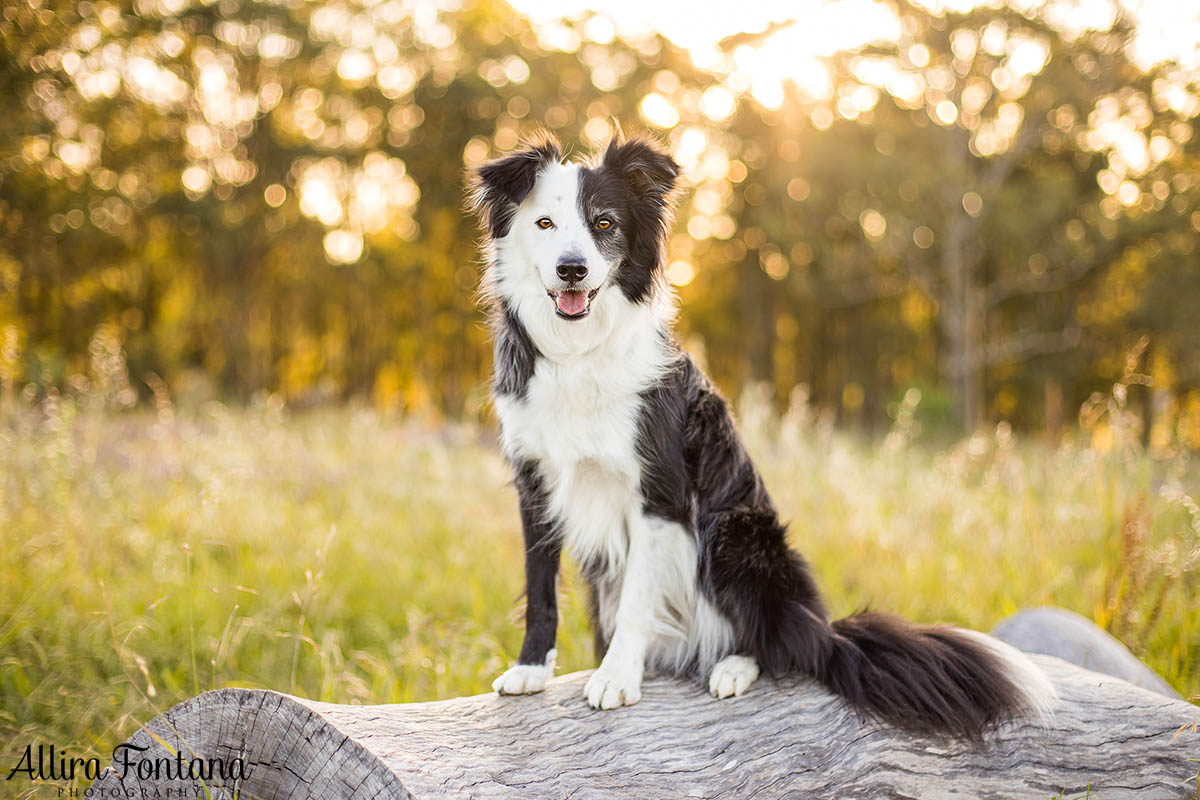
(626, 457)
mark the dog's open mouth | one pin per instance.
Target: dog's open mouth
(572, 303)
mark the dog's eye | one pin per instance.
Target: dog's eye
(604, 223)
(545, 223)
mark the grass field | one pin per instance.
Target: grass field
(337, 554)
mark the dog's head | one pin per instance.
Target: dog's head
(565, 233)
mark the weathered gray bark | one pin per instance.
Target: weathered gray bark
(785, 738)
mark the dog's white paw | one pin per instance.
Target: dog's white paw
(732, 676)
(526, 678)
(614, 685)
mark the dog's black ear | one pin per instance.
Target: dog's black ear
(499, 186)
(649, 175)
(644, 166)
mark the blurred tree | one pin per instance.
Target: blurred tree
(267, 195)
(989, 161)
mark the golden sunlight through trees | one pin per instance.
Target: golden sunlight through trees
(267, 197)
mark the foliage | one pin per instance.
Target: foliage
(258, 196)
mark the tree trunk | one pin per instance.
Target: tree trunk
(1107, 739)
(758, 320)
(1053, 411)
(962, 322)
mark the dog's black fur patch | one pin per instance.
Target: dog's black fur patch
(634, 184)
(515, 355)
(661, 448)
(543, 549)
(498, 187)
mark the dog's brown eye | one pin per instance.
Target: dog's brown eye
(604, 223)
(545, 223)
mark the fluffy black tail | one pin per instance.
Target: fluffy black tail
(931, 680)
(927, 679)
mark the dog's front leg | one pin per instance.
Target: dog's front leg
(543, 547)
(618, 680)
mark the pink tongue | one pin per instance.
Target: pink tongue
(572, 302)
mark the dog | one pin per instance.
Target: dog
(626, 457)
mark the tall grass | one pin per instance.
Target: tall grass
(341, 555)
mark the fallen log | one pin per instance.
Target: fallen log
(1108, 739)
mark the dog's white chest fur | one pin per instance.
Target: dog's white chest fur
(578, 419)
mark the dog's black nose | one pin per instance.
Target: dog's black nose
(571, 272)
